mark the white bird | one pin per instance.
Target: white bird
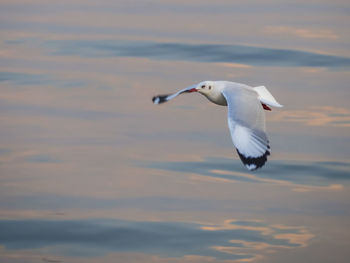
(246, 117)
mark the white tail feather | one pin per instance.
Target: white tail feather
(266, 97)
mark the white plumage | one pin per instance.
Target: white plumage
(246, 117)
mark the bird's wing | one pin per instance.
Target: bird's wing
(246, 120)
(164, 98)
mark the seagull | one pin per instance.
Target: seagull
(246, 117)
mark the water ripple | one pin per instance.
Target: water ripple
(232, 240)
(250, 55)
(301, 176)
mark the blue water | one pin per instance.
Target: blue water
(92, 171)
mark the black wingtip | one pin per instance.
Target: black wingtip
(253, 163)
(159, 99)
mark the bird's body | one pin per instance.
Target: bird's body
(246, 117)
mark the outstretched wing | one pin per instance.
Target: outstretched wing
(164, 98)
(246, 121)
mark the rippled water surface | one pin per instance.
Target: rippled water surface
(92, 171)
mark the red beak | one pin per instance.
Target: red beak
(192, 90)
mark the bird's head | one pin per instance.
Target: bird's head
(205, 87)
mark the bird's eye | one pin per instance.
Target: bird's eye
(203, 86)
(209, 87)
